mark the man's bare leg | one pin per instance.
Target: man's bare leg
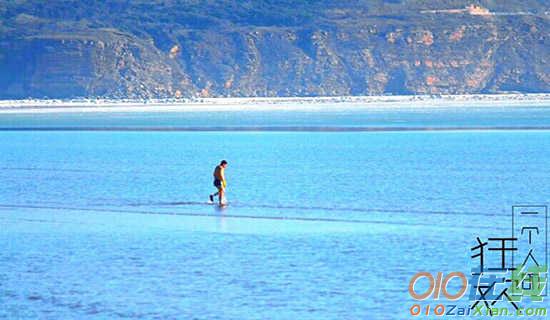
(212, 196)
(220, 195)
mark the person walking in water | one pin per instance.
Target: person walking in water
(219, 182)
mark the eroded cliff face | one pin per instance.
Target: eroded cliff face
(179, 49)
(84, 63)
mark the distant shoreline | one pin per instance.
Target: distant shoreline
(272, 104)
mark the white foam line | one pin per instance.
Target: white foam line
(273, 104)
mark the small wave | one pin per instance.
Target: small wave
(317, 208)
(221, 214)
(196, 214)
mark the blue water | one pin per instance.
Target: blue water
(527, 116)
(320, 225)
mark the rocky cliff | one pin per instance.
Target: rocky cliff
(157, 49)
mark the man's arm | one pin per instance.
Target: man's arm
(222, 177)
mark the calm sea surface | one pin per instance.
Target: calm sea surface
(320, 225)
(332, 117)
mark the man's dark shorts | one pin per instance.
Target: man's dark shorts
(217, 183)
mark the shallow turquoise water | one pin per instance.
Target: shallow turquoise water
(320, 225)
(338, 174)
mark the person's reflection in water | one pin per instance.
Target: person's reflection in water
(221, 223)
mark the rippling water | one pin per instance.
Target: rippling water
(320, 225)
